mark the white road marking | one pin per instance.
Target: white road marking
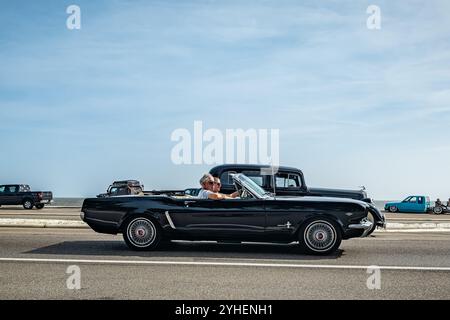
(223, 264)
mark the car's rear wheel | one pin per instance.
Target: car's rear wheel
(438, 210)
(141, 233)
(39, 206)
(393, 209)
(28, 204)
(320, 236)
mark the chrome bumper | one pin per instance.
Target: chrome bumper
(363, 224)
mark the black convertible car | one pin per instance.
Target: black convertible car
(319, 224)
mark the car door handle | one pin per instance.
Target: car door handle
(187, 203)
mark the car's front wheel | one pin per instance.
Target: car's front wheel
(141, 233)
(39, 206)
(393, 209)
(28, 204)
(371, 218)
(320, 236)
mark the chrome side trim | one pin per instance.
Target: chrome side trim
(170, 220)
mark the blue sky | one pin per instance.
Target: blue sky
(81, 108)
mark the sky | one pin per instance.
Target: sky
(353, 106)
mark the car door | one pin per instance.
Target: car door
(410, 204)
(283, 215)
(238, 219)
(10, 195)
(404, 205)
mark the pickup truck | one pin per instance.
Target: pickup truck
(287, 181)
(413, 204)
(21, 194)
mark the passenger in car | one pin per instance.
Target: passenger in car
(217, 185)
(208, 189)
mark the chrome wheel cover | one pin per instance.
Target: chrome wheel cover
(320, 236)
(141, 232)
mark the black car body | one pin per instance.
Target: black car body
(21, 194)
(255, 216)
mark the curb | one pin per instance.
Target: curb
(42, 223)
(78, 224)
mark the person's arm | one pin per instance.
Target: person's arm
(218, 196)
(234, 194)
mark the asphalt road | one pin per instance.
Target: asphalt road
(33, 265)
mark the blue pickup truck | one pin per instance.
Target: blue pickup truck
(415, 204)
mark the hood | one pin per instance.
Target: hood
(355, 194)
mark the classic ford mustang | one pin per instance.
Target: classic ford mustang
(318, 224)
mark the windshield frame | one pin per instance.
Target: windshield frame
(250, 185)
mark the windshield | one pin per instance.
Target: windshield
(250, 185)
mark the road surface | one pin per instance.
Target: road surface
(34, 262)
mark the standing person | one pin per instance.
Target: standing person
(448, 203)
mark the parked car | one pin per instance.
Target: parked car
(319, 224)
(414, 204)
(21, 194)
(122, 188)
